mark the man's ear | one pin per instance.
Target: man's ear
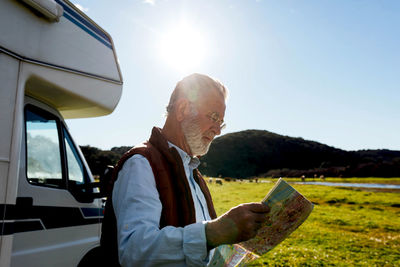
(182, 109)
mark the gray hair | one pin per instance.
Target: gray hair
(193, 86)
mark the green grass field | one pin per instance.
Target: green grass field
(346, 228)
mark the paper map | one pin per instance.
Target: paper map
(289, 209)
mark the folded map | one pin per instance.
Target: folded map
(289, 209)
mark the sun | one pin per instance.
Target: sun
(182, 47)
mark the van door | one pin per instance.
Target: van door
(9, 70)
(57, 222)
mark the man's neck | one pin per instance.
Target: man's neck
(172, 131)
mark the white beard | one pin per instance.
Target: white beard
(193, 136)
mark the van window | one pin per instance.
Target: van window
(52, 158)
(44, 165)
(75, 167)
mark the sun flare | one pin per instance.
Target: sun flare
(182, 47)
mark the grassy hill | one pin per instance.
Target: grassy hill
(262, 153)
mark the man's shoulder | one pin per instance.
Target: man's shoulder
(136, 158)
(136, 163)
(144, 149)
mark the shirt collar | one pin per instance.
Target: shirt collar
(192, 162)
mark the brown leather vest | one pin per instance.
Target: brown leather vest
(172, 185)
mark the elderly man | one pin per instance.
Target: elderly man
(163, 209)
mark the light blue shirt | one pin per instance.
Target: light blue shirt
(137, 207)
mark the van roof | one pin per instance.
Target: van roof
(73, 44)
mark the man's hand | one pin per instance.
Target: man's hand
(238, 224)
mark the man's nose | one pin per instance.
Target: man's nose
(217, 129)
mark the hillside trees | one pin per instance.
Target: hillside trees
(253, 153)
(99, 159)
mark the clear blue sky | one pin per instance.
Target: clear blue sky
(327, 71)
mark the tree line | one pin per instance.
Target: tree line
(256, 153)
(98, 159)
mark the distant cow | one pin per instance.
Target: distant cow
(218, 181)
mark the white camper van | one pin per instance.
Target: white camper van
(55, 64)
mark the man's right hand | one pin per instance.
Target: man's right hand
(238, 224)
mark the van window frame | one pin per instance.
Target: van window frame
(66, 135)
(62, 139)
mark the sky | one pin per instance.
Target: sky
(326, 71)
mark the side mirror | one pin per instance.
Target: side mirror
(106, 181)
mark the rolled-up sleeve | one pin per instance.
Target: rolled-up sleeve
(137, 207)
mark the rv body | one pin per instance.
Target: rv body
(55, 64)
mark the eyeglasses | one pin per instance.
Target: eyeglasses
(214, 116)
